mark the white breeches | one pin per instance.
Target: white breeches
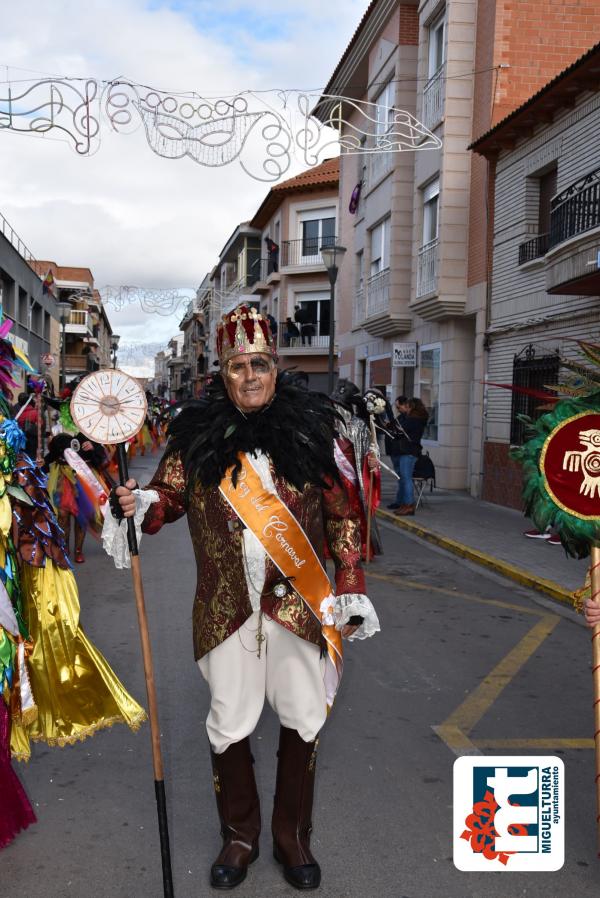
(289, 673)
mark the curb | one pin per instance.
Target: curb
(496, 564)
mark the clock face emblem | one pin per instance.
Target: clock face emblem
(109, 406)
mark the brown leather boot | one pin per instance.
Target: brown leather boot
(293, 810)
(239, 813)
(405, 510)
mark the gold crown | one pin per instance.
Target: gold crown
(244, 331)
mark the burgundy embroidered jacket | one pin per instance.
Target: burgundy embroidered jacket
(221, 603)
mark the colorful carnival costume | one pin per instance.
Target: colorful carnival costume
(262, 494)
(16, 812)
(75, 689)
(71, 486)
(352, 451)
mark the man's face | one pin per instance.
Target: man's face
(250, 380)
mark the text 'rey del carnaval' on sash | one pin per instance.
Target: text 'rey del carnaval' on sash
(287, 545)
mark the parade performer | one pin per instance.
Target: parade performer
(356, 460)
(16, 812)
(76, 466)
(561, 489)
(252, 463)
(59, 687)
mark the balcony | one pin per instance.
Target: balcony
(318, 345)
(79, 322)
(533, 249)
(359, 307)
(427, 268)
(304, 254)
(574, 244)
(380, 163)
(266, 272)
(374, 310)
(433, 99)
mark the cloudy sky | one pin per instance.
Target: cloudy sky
(131, 216)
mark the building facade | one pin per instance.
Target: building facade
(193, 350)
(296, 219)
(416, 283)
(87, 329)
(22, 299)
(546, 257)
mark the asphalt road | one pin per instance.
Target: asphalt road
(465, 662)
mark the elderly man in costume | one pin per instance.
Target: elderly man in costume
(252, 464)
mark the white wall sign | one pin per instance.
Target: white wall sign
(404, 355)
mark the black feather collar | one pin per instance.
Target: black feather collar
(297, 431)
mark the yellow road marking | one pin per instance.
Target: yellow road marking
(485, 694)
(455, 730)
(425, 587)
(503, 744)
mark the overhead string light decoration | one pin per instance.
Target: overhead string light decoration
(153, 300)
(263, 131)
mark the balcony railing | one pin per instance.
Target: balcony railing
(12, 236)
(576, 210)
(304, 252)
(262, 269)
(358, 310)
(306, 343)
(378, 293)
(427, 268)
(78, 316)
(534, 248)
(433, 98)
(241, 285)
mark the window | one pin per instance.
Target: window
(360, 270)
(317, 305)
(547, 189)
(429, 388)
(530, 373)
(431, 196)
(436, 53)
(317, 232)
(380, 247)
(384, 111)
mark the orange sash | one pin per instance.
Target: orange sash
(289, 548)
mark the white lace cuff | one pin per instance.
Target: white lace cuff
(114, 533)
(349, 604)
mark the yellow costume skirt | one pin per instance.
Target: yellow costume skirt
(74, 687)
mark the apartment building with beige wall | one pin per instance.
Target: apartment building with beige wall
(404, 286)
(299, 216)
(416, 282)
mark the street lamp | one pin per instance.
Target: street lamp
(114, 345)
(64, 311)
(332, 259)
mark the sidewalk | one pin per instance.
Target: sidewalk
(490, 535)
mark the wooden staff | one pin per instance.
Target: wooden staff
(159, 783)
(370, 496)
(39, 455)
(595, 590)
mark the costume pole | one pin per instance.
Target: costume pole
(595, 588)
(39, 456)
(370, 499)
(159, 784)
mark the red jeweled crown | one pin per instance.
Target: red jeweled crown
(242, 331)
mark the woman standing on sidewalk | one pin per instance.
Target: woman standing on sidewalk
(406, 447)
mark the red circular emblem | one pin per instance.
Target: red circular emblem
(570, 465)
